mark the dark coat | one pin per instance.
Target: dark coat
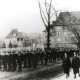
(75, 64)
(66, 64)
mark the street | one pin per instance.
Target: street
(32, 74)
(71, 77)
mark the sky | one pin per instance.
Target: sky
(25, 16)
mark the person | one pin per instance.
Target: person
(75, 65)
(14, 61)
(4, 62)
(34, 58)
(0, 59)
(19, 60)
(66, 65)
(41, 57)
(45, 57)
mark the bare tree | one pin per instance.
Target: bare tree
(72, 24)
(47, 12)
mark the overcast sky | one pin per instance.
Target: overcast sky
(24, 14)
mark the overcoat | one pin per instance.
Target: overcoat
(66, 65)
(75, 64)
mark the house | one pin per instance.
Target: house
(34, 41)
(15, 37)
(2, 42)
(60, 35)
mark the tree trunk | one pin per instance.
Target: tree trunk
(48, 38)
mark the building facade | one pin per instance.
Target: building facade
(60, 36)
(15, 37)
(34, 41)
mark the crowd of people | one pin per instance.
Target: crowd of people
(10, 61)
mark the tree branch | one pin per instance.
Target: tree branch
(41, 14)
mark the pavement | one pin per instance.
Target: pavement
(63, 77)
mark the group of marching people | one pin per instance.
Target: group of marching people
(11, 61)
(73, 62)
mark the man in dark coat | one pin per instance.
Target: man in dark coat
(34, 58)
(66, 65)
(14, 61)
(29, 58)
(75, 64)
(19, 60)
(41, 57)
(4, 61)
(0, 60)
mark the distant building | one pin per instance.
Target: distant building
(15, 37)
(34, 41)
(60, 35)
(2, 42)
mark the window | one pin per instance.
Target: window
(22, 39)
(66, 38)
(18, 39)
(65, 33)
(14, 34)
(58, 33)
(58, 39)
(71, 21)
(58, 28)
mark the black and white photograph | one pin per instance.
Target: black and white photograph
(39, 39)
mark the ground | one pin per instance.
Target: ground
(52, 71)
(71, 77)
(41, 73)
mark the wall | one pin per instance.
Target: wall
(60, 38)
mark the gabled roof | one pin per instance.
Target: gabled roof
(64, 18)
(18, 34)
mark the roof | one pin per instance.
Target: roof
(65, 17)
(18, 34)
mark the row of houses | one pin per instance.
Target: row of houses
(16, 39)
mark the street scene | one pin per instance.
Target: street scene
(39, 40)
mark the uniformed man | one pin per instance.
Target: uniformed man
(45, 57)
(9, 57)
(34, 58)
(4, 61)
(19, 60)
(14, 63)
(29, 58)
(0, 60)
(25, 59)
(41, 57)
